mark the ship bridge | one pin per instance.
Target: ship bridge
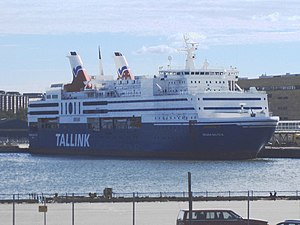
(191, 80)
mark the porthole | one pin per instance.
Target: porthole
(70, 108)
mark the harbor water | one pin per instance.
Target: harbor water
(26, 173)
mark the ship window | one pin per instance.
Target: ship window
(120, 123)
(70, 108)
(212, 73)
(61, 108)
(197, 73)
(93, 124)
(206, 73)
(33, 127)
(48, 96)
(55, 96)
(134, 122)
(201, 73)
(46, 123)
(66, 108)
(199, 81)
(193, 73)
(186, 73)
(107, 123)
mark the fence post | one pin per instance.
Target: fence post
(133, 208)
(248, 208)
(190, 197)
(14, 218)
(45, 216)
(73, 212)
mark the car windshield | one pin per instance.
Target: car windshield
(233, 215)
(180, 215)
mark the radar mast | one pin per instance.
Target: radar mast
(190, 48)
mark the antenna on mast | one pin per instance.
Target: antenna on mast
(190, 48)
(170, 60)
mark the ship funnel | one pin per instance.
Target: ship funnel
(80, 77)
(123, 69)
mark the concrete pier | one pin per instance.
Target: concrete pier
(146, 213)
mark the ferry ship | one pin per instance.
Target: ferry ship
(184, 113)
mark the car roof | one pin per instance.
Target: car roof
(290, 221)
(207, 210)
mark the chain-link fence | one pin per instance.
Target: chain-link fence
(140, 208)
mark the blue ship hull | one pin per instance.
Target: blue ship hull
(189, 141)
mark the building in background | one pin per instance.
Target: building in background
(283, 93)
(13, 102)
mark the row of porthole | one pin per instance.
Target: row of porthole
(174, 118)
(220, 82)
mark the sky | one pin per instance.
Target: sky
(256, 36)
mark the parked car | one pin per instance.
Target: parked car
(215, 217)
(290, 222)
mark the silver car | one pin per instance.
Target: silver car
(290, 222)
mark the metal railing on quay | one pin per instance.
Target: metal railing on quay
(147, 196)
